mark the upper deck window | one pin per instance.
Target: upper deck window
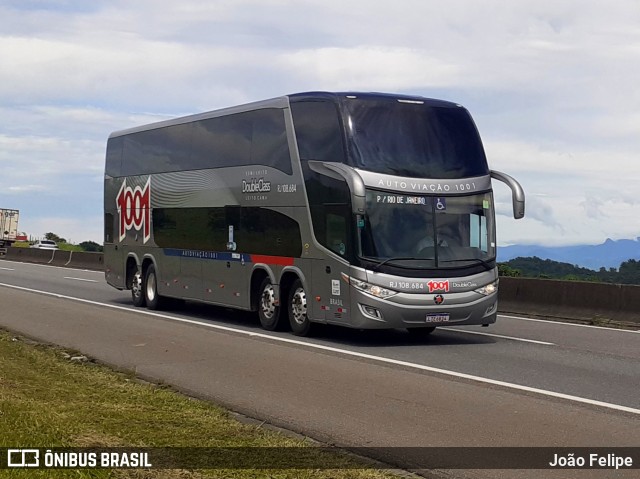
(413, 139)
(318, 131)
(257, 137)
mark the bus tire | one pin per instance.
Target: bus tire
(268, 308)
(137, 294)
(297, 309)
(150, 287)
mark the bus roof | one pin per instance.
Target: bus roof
(282, 102)
(370, 96)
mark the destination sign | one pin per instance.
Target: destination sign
(402, 199)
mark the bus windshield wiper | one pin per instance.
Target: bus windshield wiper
(471, 260)
(376, 268)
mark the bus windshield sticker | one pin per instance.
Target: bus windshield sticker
(335, 287)
(441, 204)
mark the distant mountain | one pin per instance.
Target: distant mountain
(608, 254)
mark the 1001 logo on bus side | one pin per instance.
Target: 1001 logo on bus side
(134, 206)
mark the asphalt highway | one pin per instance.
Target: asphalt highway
(519, 382)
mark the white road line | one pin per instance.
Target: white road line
(421, 367)
(579, 325)
(82, 279)
(498, 336)
(7, 269)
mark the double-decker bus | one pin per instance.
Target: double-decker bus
(356, 209)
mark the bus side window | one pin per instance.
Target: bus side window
(336, 231)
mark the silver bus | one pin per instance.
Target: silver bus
(356, 209)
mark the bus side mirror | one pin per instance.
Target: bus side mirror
(517, 193)
(348, 174)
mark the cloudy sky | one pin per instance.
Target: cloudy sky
(553, 85)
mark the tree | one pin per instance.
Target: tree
(506, 270)
(629, 272)
(54, 237)
(91, 246)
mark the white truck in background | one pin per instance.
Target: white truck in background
(8, 226)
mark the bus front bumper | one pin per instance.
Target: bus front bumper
(406, 310)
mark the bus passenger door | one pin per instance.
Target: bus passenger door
(332, 291)
(224, 279)
(319, 291)
(114, 269)
(337, 229)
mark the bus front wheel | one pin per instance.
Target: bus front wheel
(268, 307)
(297, 308)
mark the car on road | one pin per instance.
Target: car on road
(44, 244)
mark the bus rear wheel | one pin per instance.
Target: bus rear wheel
(137, 295)
(297, 309)
(268, 307)
(150, 289)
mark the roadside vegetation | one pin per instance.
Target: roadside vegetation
(63, 244)
(52, 398)
(627, 273)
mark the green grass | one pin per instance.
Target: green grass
(69, 247)
(61, 246)
(49, 401)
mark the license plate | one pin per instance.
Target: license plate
(438, 318)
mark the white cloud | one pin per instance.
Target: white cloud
(369, 68)
(552, 85)
(26, 188)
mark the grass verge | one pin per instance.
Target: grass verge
(47, 400)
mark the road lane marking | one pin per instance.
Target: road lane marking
(512, 338)
(345, 352)
(551, 321)
(7, 269)
(82, 279)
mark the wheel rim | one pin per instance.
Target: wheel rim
(299, 306)
(151, 287)
(268, 302)
(136, 285)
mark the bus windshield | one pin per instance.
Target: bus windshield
(413, 139)
(424, 232)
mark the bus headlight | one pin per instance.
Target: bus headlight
(372, 289)
(488, 289)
